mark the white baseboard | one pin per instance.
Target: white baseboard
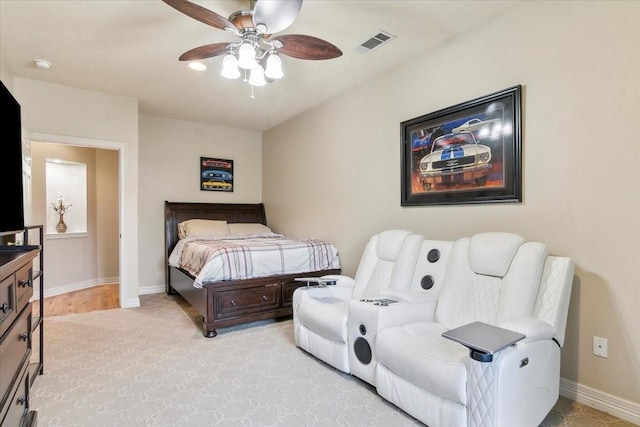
(78, 286)
(151, 289)
(605, 402)
(130, 303)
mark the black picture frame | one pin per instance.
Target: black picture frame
(216, 174)
(444, 153)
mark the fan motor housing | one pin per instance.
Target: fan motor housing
(242, 19)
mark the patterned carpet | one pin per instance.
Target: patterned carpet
(151, 366)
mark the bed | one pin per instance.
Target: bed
(228, 300)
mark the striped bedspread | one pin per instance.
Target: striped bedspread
(244, 258)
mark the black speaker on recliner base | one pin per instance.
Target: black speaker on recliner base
(363, 350)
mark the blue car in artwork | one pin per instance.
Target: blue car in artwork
(218, 175)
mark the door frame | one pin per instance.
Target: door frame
(121, 147)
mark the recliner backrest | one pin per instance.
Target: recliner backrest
(491, 277)
(552, 302)
(388, 262)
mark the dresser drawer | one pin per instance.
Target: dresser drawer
(24, 286)
(7, 303)
(243, 301)
(17, 405)
(14, 352)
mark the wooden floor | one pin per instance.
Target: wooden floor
(102, 297)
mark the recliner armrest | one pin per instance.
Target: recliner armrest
(534, 329)
(409, 295)
(326, 293)
(342, 281)
(394, 314)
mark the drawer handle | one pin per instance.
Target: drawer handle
(23, 283)
(24, 336)
(5, 307)
(22, 400)
(264, 298)
(233, 303)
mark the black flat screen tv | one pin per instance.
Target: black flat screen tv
(12, 217)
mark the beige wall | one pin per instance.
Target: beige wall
(6, 76)
(334, 171)
(107, 224)
(169, 168)
(78, 261)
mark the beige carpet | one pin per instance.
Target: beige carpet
(151, 366)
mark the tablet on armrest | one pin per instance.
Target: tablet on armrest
(482, 339)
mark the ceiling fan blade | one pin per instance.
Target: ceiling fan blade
(275, 15)
(203, 52)
(200, 13)
(307, 47)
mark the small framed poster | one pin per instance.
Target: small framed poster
(216, 174)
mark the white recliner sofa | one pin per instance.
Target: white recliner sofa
(497, 279)
(320, 312)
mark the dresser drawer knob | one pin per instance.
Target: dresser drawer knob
(264, 298)
(22, 400)
(23, 283)
(24, 336)
(233, 303)
(5, 307)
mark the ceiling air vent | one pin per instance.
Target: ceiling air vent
(375, 42)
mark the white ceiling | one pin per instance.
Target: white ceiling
(131, 48)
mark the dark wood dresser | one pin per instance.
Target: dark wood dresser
(16, 290)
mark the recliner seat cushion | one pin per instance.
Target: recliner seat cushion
(418, 353)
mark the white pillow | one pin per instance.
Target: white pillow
(202, 227)
(248, 229)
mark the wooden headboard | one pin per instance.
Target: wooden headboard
(175, 213)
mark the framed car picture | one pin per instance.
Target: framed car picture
(467, 153)
(216, 174)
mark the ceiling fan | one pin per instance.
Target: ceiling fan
(257, 50)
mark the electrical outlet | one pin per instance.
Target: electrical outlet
(600, 347)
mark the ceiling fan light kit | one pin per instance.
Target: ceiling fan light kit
(230, 68)
(246, 56)
(257, 53)
(256, 78)
(274, 66)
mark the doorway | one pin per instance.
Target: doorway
(120, 238)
